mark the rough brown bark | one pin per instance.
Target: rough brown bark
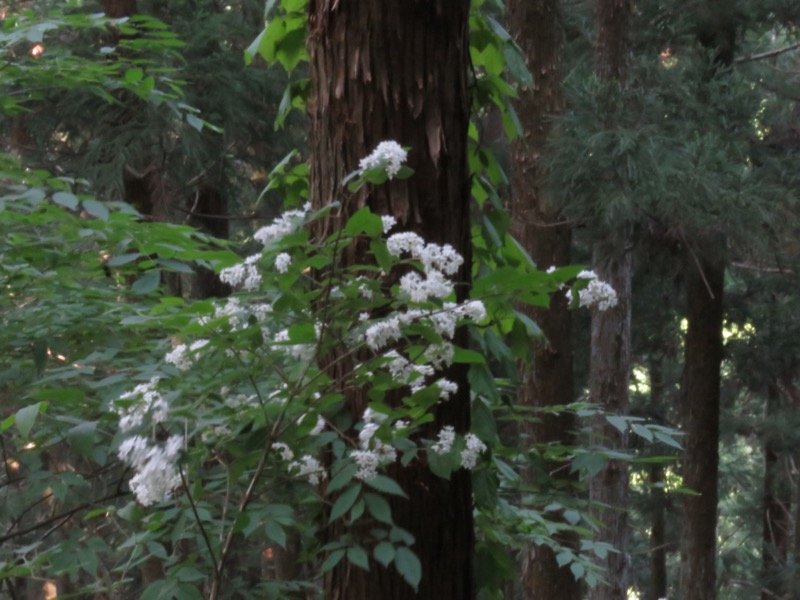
(700, 398)
(397, 71)
(611, 330)
(537, 28)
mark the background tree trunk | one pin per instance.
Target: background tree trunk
(537, 28)
(700, 397)
(611, 330)
(397, 71)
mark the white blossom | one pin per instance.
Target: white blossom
(282, 262)
(155, 467)
(445, 442)
(420, 289)
(146, 399)
(388, 222)
(469, 455)
(368, 462)
(319, 427)
(283, 225)
(388, 155)
(286, 452)
(405, 242)
(310, 468)
(441, 258)
(382, 333)
(597, 294)
(439, 356)
(448, 388)
(178, 357)
(245, 274)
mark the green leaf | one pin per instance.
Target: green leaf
(345, 501)
(81, 437)
(332, 560)
(364, 221)
(358, 557)
(408, 565)
(384, 553)
(122, 259)
(379, 508)
(464, 356)
(620, 423)
(342, 478)
(26, 417)
(275, 533)
(96, 209)
(66, 199)
(386, 485)
(147, 283)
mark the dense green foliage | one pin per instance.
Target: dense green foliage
(136, 149)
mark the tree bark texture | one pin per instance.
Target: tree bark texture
(700, 399)
(380, 71)
(537, 28)
(610, 360)
(609, 377)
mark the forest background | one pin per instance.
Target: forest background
(643, 451)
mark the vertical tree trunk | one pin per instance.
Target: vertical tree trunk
(658, 525)
(700, 398)
(611, 329)
(536, 26)
(385, 70)
(777, 505)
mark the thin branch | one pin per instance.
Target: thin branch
(197, 518)
(767, 54)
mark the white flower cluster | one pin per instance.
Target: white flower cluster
(181, 356)
(445, 442)
(373, 453)
(469, 455)
(239, 314)
(283, 225)
(146, 399)
(155, 465)
(282, 262)
(388, 155)
(245, 274)
(597, 294)
(310, 468)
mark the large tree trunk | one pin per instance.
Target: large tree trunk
(611, 330)
(536, 26)
(700, 398)
(385, 70)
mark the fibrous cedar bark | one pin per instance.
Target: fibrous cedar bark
(700, 398)
(379, 71)
(611, 329)
(537, 28)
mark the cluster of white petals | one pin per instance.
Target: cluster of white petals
(310, 468)
(182, 355)
(287, 223)
(145, 399)
(388, 155)
(445, 442)
(282, 262)
(244, 273)
(286, 453)
(448, 388)
(469, 455)
(155, 466)
(373, 453)
(597, 294)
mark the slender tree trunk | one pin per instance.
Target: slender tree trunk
(385, 70)
(700, 397)
(536, 26)
(611, 330)
(658, 522)
(777, 505)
